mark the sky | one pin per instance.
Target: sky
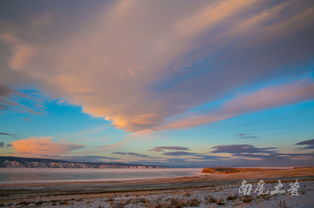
(178, 83)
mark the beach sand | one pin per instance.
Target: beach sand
(214, 190)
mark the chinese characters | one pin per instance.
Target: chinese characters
(261, 189)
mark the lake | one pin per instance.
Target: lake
(31, 175)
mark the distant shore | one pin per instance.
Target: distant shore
(191, 189)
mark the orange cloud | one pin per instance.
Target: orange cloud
(42, 146)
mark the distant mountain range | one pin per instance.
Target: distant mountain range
(19, 162)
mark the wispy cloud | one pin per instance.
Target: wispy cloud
(246, 136)
(132, 154)
(163, 148)
(5, 94)
(7, 134)
(180, 153)
(307, 144)
(13, 99)
(193, 155)
(264, 155)
(265, 98)
(85, 158)
(241, 148)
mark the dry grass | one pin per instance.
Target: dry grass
(211, 199)
(247, 199)
(110, 199)
(232, 197)
(282, 204)
(187, 194)
(117, 205)
(174, 203)
(222, 170)
(220, 201)
(265, 196)
(192, 202)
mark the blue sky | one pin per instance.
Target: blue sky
(204, 83)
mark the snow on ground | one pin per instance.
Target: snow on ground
(208, 197)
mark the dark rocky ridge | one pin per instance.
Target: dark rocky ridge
(19, 162)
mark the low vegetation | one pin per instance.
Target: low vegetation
(223, 170)
(210, 199)
(282, 204)
(232, 197)
(247, 199)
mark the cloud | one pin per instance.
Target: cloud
(136, 57)
(308, 144)
(43, 146)
(5, 91)
(162, 148)
(5, 94)
(2, 144)
(271, 97)
(6, 134)
(21, 54)
(193, 155)
(241, 148)
(132, 154)
(86, 158)
(180, 153)
(246, 136)
(264, 155)
(13, 99)
(237, 155)
(177, 160)
(264, 98)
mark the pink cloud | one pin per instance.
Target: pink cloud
(116, 61)
(259, 100)
(271, 97)
(42, 146)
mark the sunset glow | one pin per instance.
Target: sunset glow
(173, 83)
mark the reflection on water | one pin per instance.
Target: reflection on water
(21, 175)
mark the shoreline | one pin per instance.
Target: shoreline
(81, 194)
(194, 179)
(196, 172)
(46, 176)
(41, 182)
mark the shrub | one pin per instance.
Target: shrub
(192, 202)
(247, 199)
(232, 197)
(187, 194)
(211, 199)
(175, 203)
(220, 202)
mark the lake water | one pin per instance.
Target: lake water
(30, 175)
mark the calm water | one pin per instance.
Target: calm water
(26, 175)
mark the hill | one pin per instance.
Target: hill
(19, 162)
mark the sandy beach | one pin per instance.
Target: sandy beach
(212, 190)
